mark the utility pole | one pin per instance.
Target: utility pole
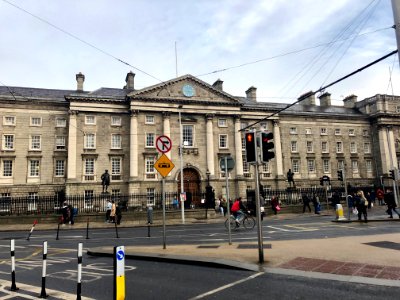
(396, 17)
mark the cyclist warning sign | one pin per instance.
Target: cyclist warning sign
(164, 165)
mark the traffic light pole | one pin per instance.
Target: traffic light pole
(258, 213)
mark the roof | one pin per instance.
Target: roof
(26, 92)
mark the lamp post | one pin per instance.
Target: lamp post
(181, 163)
(208, 173)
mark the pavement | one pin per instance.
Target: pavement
(368, 259)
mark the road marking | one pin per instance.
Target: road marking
(280, 229)
(227, 286)
(301, 228)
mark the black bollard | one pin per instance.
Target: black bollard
(13, 285)
(43, 291)
(58, 229)
(116, 229)
(87, 229)
(79, 286)
(148, 230)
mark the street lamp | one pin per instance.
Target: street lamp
(208, 173)
(181, 163)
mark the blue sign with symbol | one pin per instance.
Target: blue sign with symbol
(120, 255)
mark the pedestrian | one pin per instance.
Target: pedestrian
(66, 213)
(306, 203)
(108, 210)
(391, 203)
(369, 199)
(113, 212)
(317, 205)
(224, 206)
(175, 203)
(275, 205)
(361, 204)
(380, 195)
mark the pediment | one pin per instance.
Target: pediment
(187, 88)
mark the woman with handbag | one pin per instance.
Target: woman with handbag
(275, 205)
(361, 204)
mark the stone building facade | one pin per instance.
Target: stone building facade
(62, 140)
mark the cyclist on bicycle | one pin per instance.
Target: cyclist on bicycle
(238, 210)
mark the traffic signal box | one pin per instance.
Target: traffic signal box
(266, 146)
(340, 175)
(250, 147)
(391, 174)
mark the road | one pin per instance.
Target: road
(149, 280)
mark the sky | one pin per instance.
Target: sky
(283, 48)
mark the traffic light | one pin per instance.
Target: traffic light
(266, 146)
(391, 174)
(250, 147)
(340, 175)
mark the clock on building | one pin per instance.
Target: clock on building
(188, 90)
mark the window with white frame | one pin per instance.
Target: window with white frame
(188, 135)
(8, 142)
(263, 126)
(61, 122)
(150, 140)
(90, 120)
(149, 119)
(116, 121)
(88, 198)
(59, 168)
(60, 142)
(222, 123)
(293, 146)
(310, 147)
(326, 166)
(243, 143)
(90, 141)
(9, 121)
(35, 142)
(311, 165)
(352, 132)
(223, 141)
(150, 196)
(354, 166)
(293, 130)
(340, 165)
(36, 121)
(243, 125)
(295, 166)
(33, 198)
(149, 167)
(338, 131)
(308, 131)
(324, 147)
(265, 170)
(367, 147)
(368, 165)
(339, 147)
(7, 168)
(324, 131)
(246, 167)
(365, 132)
(353, 147)
(116, 141)
(5, 201)
(116, 168)
(88, 171)
(34, 165)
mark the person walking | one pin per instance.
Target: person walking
(306, 203)
(224, 206)
(275, 204)
(361, 204)
(380, 194)
(108, 210)
(317, 205)
(113, 212)
(391, 203)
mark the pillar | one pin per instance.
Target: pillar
(72, 142)
(278, 149)
(210, 145)
(238, 148)
(134, 155)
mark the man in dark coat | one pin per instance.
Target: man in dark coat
(105, 180)
(391, 203)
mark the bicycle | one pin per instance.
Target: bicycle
(247, 222)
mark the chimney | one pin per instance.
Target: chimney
(251, 94)
(307, 98)
(325, 99)
(218, 84)
(80, 78)
(130, 81)
(350, 101)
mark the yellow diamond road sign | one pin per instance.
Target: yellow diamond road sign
(163, 165)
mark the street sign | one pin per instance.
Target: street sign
(164, 165)
(230, 163)
(119, 272)
(163, 144)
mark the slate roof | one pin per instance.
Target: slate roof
(51, 94)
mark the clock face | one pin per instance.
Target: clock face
(188, 90)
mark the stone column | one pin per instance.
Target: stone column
(210, 145)
(134, 154)
(384, 149)
(167, 129)
(238, 148)
(278, 149)
(72, 131)
(392, 145)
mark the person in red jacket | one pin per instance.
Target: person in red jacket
(238, 210)
(380, 195)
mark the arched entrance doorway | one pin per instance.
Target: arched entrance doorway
(191, 185)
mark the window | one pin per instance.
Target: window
(8, 142)
(88, 171)
(263, 126)
(324, 131)
(60, 168)
(243, 125)
(246, 167)
(150, 196)
(243, 144)
(60, 142)
(149, 119)
(9, 121)
(149, 167)
(33, 168)
(340, 165)
(33, 197)
(35, 142)
(223, 141)
(88, 200)
(36, 121)
(310, 147)
(311, 165)
(367, 147)
(116, 168)
(116, 121)
(352, 132)
(293, 146)
(398, 108)
(339, 147)
(354, 166)
(337, 131)
(353, 147)
(222, 123)
(61, 122)
(293, 130)
(90, 120)
(90, 141)
(266, 170)
(116, 141)
(150, 140)
(295, 165)
(326, 166)
(368, 165)
(308, 131)
(324, 147)
(6, 168)
(5, 202)
(187, 135)
(365, 132)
